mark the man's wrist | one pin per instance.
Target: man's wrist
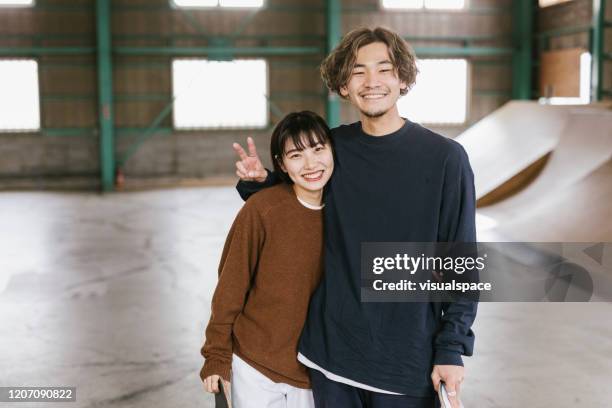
(447, 357)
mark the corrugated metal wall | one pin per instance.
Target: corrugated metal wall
(65, 153)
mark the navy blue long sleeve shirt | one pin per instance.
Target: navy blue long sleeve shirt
(412, 185)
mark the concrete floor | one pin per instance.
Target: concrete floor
(111, 294)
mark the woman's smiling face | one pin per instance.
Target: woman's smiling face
(309, 168)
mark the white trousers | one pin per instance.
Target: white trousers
(252, 389)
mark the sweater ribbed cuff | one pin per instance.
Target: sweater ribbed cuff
(216, 367)
(446, 357)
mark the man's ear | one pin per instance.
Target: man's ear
(403, 86)
(344, 91)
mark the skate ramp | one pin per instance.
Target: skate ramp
(580, 212)
(511, 139)
(571, 199)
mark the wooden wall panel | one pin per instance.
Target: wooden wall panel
(560, 73)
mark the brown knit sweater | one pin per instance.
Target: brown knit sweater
(270, 266)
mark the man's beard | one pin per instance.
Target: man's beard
(374, 115)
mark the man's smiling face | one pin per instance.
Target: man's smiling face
(373, 86)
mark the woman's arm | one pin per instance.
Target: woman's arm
(236, 269)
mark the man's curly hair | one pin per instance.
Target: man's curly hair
(337, 67)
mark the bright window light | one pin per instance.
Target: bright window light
(215, 3)
(444, 4)
(241, 3)
(546, 3)
(585, 86)
(195, 3)
(440, 92)
(418, 4)
(16, 3)
(401, 4)
(220, 94)
(19, 104)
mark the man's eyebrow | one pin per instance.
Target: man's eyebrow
(378, 63)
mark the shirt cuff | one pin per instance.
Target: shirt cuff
(447, 357)
(216, 367)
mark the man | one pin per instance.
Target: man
(394, 181)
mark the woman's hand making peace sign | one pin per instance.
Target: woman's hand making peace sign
(249, 167)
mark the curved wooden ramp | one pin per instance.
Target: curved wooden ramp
(571, 199)
(511, 139)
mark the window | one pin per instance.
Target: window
(217, 3)
(19, 103)
(546, 3)
(220, 94)
(16, 3)
(419, 4)
(440, 92)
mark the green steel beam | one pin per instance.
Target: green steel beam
(274, 107)
(105, 92)
(496, 62)
(165, 37)
(244, 23)
(163, 97)
(522, 24)
(259, 51)
(463, 51)
(20, 51)
(192, 21)
(138, 130)
(333, 19)
(49, 36)
(150, 131)
(458, 38)
(144, 134)
(92, 131)
(69, 131)
(129, 132)
(597, 49)
(61, 97)
(192, 51)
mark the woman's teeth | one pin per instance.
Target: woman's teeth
(313, 176)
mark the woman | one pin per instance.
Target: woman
(270, 266)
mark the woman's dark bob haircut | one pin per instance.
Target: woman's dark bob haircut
(301, 127)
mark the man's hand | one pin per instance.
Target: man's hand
(452, 376)
(249, 167)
